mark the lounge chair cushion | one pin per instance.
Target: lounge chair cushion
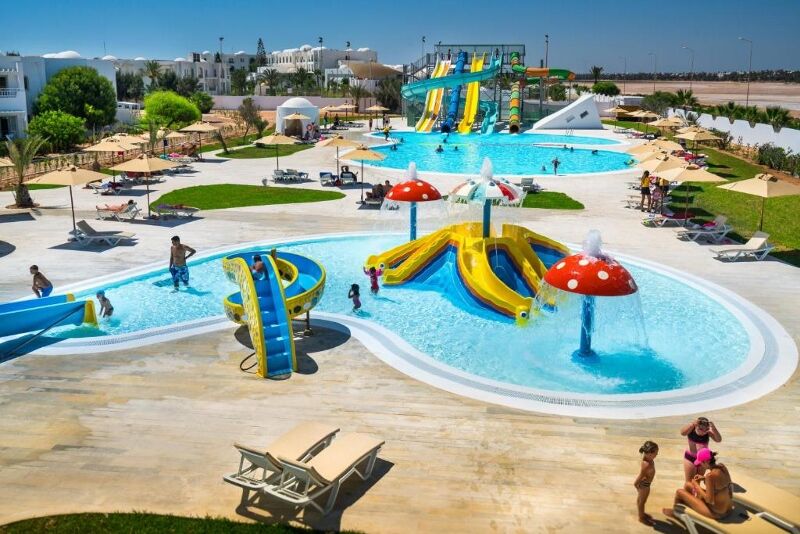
(740, 521)
(763, 496)
(344, 453)
(296, 442)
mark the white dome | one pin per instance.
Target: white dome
(179, 59)
(363, 49)
(297, 102)
(275, 52)
(140, 58)
(66, 54)
(290, 50)
(239, 53)
(348, 49)
(318, 48)
(305, 47)
(295, 105)
(108, 58)
(206, 52)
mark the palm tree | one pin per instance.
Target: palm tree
(345, 86)
(777, 116)
(596, 71)
(358, 93)
(272, 77)
(21, 153)
(753, 115)
(318, 78)
(730, 110)
(152, 69)
(333, 87)
(685, 99)
(302, 78)
(152, 132)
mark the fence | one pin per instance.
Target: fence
(269, 103)
(756, 134)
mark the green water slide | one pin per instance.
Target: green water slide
(418, 90)
(532, 75)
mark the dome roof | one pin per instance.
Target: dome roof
(177, 59)
(66, 54)
(318, 48)
(305, 47)
(206, 52)
(140, 58)
(239, 53)
(109, 58)
(297, 102)
(365, 49)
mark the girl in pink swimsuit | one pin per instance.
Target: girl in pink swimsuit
(373, 274)
(355, 296)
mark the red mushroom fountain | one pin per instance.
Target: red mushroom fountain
(413, 190)
(592, 274)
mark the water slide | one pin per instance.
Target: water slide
(473, 97)
(417, 90)
(433, 98)
(293, 285)
(532, 75)
(500, 273)
(490, 114)
(455, 95)
(43, 314)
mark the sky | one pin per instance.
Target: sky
(582, 32)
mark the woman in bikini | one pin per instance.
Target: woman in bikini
(698, 433)
(709, 494)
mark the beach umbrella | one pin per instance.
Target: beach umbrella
(146, 164)
(346, 107)
(692, 128)
(670, 146)
(68, 177)
(113, 145)
(413, 190)
(200, 128)
(696, 136)
(643, 148)
(652, 155)
(276, 139)
(661, 164)
(689, 174)
(363, 154)
(616, 111)
(764, 186)
(5, 162)
(377, 108)
(339, 142)
(485, 190)
(663, 123)
(296, 117)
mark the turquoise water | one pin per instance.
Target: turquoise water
(686, 338)
(510, 154)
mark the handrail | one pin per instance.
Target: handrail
(13, 351)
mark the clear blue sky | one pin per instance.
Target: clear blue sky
(585, 33)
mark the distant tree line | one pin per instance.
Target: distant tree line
(779, 75)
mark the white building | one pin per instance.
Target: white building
(214, 77)
(315, 58)
(366, 74)
(22, 78)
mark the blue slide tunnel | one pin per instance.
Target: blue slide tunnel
(455, 96)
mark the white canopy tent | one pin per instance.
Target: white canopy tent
(295, 127)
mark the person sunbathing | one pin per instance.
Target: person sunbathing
(709, 494)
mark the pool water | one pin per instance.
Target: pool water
(638, 349)
(522, 154)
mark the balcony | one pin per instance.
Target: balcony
(8, 92)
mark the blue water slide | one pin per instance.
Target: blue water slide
(41, 314)
(490, 113)
(455, 96)
(277, 327)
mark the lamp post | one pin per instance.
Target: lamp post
(749, 69)
(655, 61)
(691, 64)
(546, 48)
(624, 71)
(422, 49)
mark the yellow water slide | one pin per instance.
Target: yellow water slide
(433, 100)
(473, 97)
(425, 250)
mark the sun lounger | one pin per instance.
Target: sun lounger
(107, 188)
(327, 178)
(769, 502)
(118, 213)
(660, 219)
(294, 174)
(756, 247)
(740, 521)
(348, 177)
(86, 235)
(715, 231)
(176, 210)
(301, 483)
(529, 185)
(278, 175)
(258, 465)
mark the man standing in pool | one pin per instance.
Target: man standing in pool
(556, 163)
(178, 255)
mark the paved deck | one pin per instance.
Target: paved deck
(151, 428)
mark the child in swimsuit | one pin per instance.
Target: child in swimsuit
(355, 296)
(373, 274)
(647, 473)
(106, 309)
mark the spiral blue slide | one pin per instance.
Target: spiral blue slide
(455, 95)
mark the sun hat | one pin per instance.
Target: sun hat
(703, 455)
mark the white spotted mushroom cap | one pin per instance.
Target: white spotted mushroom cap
(413, 191)
(588, 275)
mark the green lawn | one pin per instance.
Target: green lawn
(142, 523)
(263, 152)
(707, 201)
(34, 187)
(551, 200)
(230, 142)
(221, 196)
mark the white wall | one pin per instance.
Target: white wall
(580, 115)
(272, 102)
(787, 138)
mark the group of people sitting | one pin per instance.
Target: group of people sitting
(379, 191)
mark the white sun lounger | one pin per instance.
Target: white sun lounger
(86, 235)
(257, 466)
(740, 521)
(327, 178)
(181, 212)
(714, 232)
(527, 184)
(771, 503)
(118, 213)
(756, 247)
(301, 483)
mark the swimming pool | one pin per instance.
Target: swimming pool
(457, 335)
(523, 154)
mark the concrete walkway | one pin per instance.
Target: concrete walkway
(151, 428)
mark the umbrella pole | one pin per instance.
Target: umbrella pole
(148, 199)
(487, 215)
(337, 163)
(72, 205)
(413, 221)
(761, 219)
(277, 161)
(362, 181)
(686, 208)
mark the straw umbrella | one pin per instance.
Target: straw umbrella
(642, 149)
(664, 144)
(644, 114)
(663, 123)
(339, 142)
(145, 164)
(685, 175)
(200, 128)
(692, 128)
(276, 139)
(114, 146)
(346, 107)
(5, 162)
(69, 177)
(661, 164)
(764, 186)
(616, 111)
(363, 154)
(655, 154)
(696, 136)
(376, 108)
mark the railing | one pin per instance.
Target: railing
(8, 92)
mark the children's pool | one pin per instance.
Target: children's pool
(523, 154)
(688, 338)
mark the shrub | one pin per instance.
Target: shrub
(203, 101)
(658, 102)
(605, 88)
(169, 109)
(81, 92)
(557, 92)
(60, 130)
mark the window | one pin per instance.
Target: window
(583, 114)
(571, 118)
(25, 82)
(195, 57)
